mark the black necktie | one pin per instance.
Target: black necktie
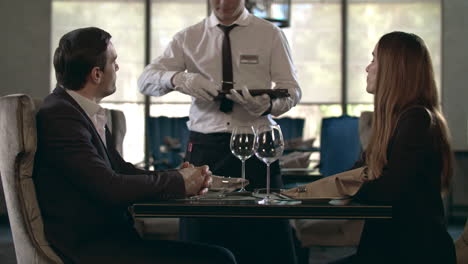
(226, 104)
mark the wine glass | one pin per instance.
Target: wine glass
(269, 146)
(242, 146)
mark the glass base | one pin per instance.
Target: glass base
(242, 190)
(241, 193)
(222, 194)
(268, 200)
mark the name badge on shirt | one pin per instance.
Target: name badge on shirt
(249, 59)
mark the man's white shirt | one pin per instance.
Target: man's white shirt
(261, 59)
(95, 112)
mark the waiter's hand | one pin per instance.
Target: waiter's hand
(195, 85)
(255, 105)
(196, 179)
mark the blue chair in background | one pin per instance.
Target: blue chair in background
(340, 148)
(291, 127)
(168, 138)
(340, 145)
(166, 132)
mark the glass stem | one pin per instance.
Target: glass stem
(268, 181)
(243, 173)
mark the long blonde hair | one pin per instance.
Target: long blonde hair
(405, 78)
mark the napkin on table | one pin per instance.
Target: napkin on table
(341, 185)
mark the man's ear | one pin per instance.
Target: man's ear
(96, 75)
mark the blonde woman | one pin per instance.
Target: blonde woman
(408, 158)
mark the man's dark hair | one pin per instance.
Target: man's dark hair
(79, 51)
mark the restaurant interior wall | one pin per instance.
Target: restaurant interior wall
(455, 95)
(25, 45)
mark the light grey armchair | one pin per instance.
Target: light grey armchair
(3, 209)
(18, 141)
(148, 228)
(318, 232)
(117, 125)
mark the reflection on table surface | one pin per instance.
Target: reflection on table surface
(234, 205)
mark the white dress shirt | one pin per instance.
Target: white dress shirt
(95, 112)
(261, 58)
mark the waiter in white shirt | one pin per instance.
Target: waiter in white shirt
(194, 63)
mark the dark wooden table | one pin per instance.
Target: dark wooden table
(249, 208)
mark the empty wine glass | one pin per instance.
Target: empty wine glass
(242, 146)
(269, 146)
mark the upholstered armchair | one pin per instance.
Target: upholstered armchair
(3, 209)
(117, 125)
(148, 228)
(318, 232)
(17, 149)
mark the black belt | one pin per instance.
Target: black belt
(211, 138)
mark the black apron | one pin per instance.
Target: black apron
(251, 240)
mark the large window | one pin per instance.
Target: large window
(315, 38)
(315, 41)
(169, 17)
(128, 32)
(369, 20)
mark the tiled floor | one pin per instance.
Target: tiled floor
(317, 255)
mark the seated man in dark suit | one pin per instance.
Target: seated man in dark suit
(83, 185)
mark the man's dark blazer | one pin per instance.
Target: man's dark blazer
(84, 188)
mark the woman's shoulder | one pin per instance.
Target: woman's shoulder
(416, 116)
(414, 128)
(415, 124)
